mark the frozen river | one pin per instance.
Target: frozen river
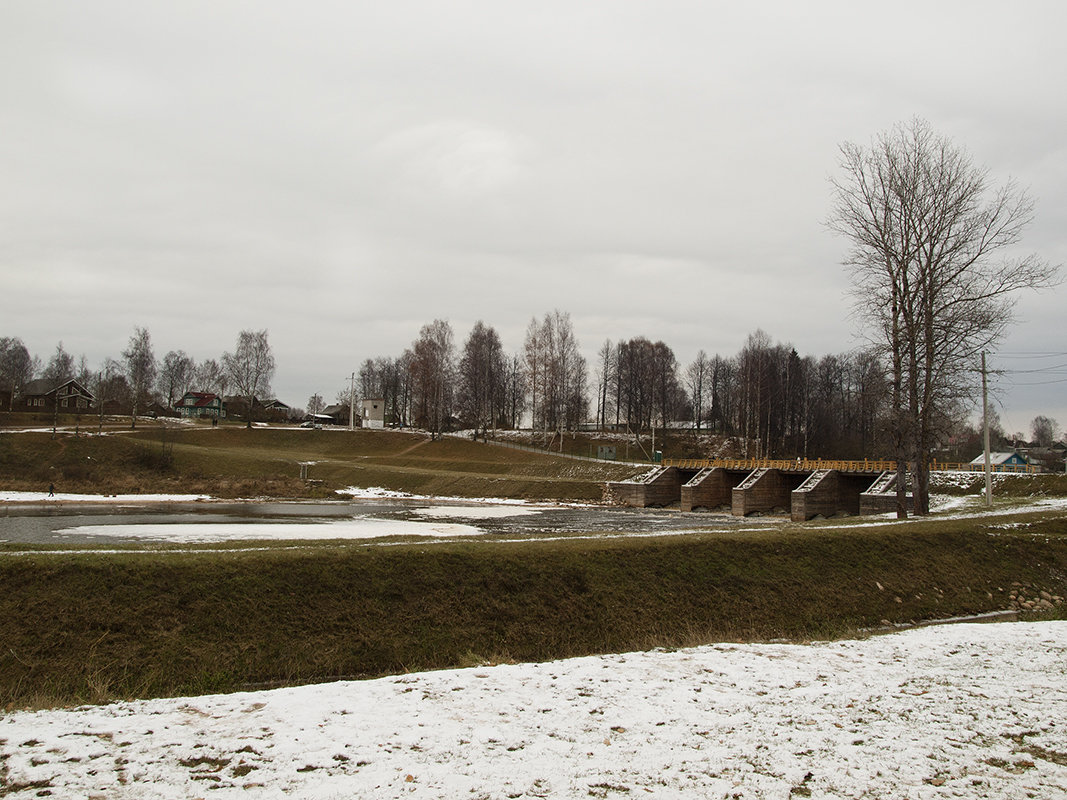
(387, 519)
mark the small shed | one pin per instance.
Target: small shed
(373, 412)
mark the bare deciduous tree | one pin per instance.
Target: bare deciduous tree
(175, 376)
(481, 378)
(140, 370)
(698, 380)
(389, 379)
(932, 273)
(1044, 430)
(515, 391)
(106, 388)
(432, 368)
(210, 377)
(316, 404)
(16, 367)
(605, 373)
(60, 367)
(250, 367)
(557, 374)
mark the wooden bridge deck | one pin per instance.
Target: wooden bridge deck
(813, 465)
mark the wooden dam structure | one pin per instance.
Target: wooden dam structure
(804, 488)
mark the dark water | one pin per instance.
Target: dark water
(52, 523)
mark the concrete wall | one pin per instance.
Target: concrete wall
(763, 492)
(662, 490)
(882, 503)
(819, 498)
(758, 491)
(834, 493)
(710, 490)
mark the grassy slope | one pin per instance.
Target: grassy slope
(234, 462)
(93, 627)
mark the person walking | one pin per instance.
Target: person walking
(51, 490)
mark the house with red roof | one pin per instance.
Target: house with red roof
(201, 404)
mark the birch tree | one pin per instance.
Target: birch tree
(556, 371)
(697, 381)
(605, 374)
(432, 369)
(141, 369)
(16, 367)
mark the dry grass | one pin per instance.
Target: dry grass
(237, 462)
(99, 626)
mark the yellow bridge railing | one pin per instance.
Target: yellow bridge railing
(810, 465)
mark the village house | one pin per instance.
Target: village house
(1010, 461)
(201, 404)
(262, 410)
(277, 411)
(338, 414)
(43, 395)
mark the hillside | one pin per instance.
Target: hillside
(238, 462)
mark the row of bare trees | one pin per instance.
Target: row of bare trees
(776, 402)
(137, 379)
(482, 388)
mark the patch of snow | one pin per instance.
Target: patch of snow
(378, 493)
(193, 532)
(942, 502)
(956, 711)
(969, 508)
(474, 512)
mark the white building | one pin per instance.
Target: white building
(373, 412)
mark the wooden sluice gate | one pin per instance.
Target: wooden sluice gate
(805, 489)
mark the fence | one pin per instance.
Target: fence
(795, 465)
(810, 465)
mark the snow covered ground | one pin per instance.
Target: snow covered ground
(973, 711)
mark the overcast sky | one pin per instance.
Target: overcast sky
(341, 173)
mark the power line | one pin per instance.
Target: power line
(1053, 368)
(1040, 383)
(1032, 354)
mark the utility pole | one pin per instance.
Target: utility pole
(352, 404)
(985, 436)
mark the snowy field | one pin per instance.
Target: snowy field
(960, 711)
